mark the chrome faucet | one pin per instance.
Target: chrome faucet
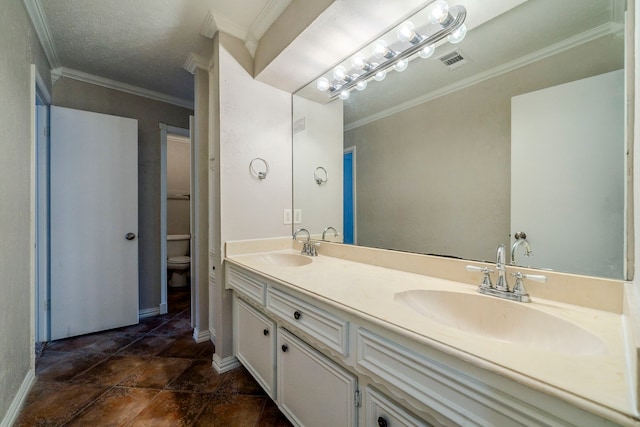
(501, 284)
(521, 240)
(308, 247)
(501, 288)
(335, 232)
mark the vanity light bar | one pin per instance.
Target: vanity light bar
(450, 25)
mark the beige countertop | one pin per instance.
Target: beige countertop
(600, 383)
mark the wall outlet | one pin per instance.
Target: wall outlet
(297, 216)
(287, 217)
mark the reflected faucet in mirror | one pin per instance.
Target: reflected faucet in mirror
(521, 240)
(324, 232)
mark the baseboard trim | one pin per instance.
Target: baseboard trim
(224, 365)
(163, 308)
(201, 336)
(148, 312)
(14, 410)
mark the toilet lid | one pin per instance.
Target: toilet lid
(180, 259)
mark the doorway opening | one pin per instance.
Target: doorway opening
(177, 263)
(349, 199)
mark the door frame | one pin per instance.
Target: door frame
(352, 150)
(39, 95)
(166, 130)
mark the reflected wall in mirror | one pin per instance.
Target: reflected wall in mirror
(434, 144)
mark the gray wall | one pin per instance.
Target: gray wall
(149, 113)
(19, 47)
(439, 173)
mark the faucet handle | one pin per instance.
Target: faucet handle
(519, 288)
(486, 280)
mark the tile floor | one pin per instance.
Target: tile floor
(150, 374)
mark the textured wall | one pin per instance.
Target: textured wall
(150, 113)
(19, 47)
(441, 170)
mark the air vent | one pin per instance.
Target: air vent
(454, 59)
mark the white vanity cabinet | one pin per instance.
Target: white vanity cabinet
(312, 390)
(255, 344)
(309, 388)
(311, 356)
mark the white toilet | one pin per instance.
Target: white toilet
(178, 260)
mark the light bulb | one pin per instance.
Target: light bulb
(380, 49)
(344, 95)
(401, 65)
(427, 51)
(458, 35)
(361, 85)
(380, 75)
(406, 33)
(322, 84)
(439, 11)
(360, 62)
(340, 73)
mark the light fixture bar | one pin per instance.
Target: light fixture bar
(456, 18)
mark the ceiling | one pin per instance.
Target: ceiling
(142, 46)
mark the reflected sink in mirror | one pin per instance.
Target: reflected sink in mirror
(503, 320)
(282, 260)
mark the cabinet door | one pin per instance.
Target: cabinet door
(255, 344)
(313, 390)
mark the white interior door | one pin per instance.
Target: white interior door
(94, 207)
(567, 175)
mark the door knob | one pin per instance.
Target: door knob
(130, 236)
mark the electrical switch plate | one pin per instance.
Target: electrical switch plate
(297, 216)
(287, 216)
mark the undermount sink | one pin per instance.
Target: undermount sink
(503, 320)
(282, 260)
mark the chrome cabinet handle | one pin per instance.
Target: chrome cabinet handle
(130, 236)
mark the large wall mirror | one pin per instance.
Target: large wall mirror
(525, 133)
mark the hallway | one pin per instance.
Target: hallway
(150, 374)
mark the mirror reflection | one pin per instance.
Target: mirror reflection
(524, 133)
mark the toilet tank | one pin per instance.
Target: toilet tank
(178, 245)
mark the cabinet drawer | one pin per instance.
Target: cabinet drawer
(383, 412)
(247, 284)
(327, 328)
(255, 341)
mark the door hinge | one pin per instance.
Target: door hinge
(47, 305)
(358, 399)
(46, 131)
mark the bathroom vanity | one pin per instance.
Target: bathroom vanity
(338, 341)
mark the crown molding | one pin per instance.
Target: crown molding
(214, 22)
(115, 85)
(39, 21)
(196, 61)
(267, 16)
(209, 26)
(587, 36)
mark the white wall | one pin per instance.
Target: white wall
(320, 143)
(247, 119)
(255, 122)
